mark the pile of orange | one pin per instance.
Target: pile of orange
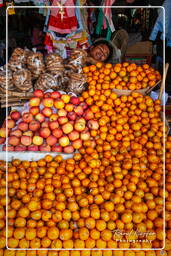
(114, 182)
(158, 222)
(122, 76)
(80, 202)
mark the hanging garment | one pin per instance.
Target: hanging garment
(108, 14)
(159, 25)
(48, 43)
(101, 23)
(69, 22)
(1, 3)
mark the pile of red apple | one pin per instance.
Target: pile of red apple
(54, 122)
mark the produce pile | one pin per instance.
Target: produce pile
(54, 122)
(28, 70)
(114, 181)
(122, 76)
(19, 214)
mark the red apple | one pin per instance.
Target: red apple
(53, 125)
(34, 110)
(16, 132)
(84, 105)
(3, 132)
(32, 148)
(68, 149)
(27, 117)
(38, 93)
(47, 111)
(48, 102)
(40, 117)
(55, 95)
(80, 125)
(2, 140)
(34, 125)
(77, 144)
(15, 115)
(62, 112)
(45, 124)
(20, 148)
(93, 125)
(28, 133)
(62, 120)
(69, 107)
(56, 148)
(23, 126)
(85, 135)
(74, 100)
(72, 115)
(45, 148)
(53, 117)
(8, 148)
(59, 104)
(13, 140)
(57, 133)
(67, 128)
(64, 141)
(78, 110)
(34, 101)
(44, 132)
(37, 140)
(10, 123)
(51, 140)
(88, 114)
(47, 95)
(26, 140)
(74, 135)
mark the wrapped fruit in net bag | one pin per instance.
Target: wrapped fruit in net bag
(54, 63)
(22, 80)
(76, 83)
(47, 81)
(18, 59)
(77, 60)
(10, 84)
(35, 64)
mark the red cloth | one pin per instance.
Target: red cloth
(1, 3)
(48, 41)
(68, 24)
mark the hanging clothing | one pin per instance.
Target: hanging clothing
(69, 22)
(1, 3)
(105, 19)
(108, 14)
(158, 27)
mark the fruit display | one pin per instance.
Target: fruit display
(53, 122)
(109, 194)
(25, 211)
(122, 76)
(114, 184)
(49, 226)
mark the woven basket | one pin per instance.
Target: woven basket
(144, 91)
